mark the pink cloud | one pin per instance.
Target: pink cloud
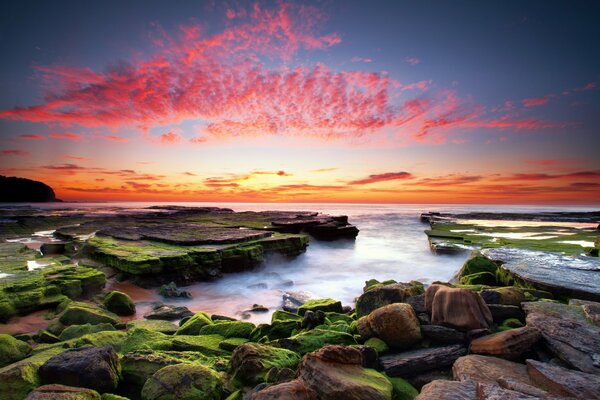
(76, 158)
(536, 101)
(68, 136)
(32, 137)
(20, 153)
(362, 59)
(412, 60)
(198, 140)
(170, 138)
(114, 138)
(388, 176)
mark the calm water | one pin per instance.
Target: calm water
(391, 245)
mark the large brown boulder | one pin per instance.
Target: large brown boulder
(396, 324)
(336, 373)
(564, 382)
(509, 344)
(486, 369)
(458, 308)
(292, 390)
(448, 390)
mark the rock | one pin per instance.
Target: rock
(168, 312)
(332, 231)
(170, 290)
(75, 331)
(564, 382)
(448, 390)
(53, 248)
(457, 308)
(139, 365)
(387, 294)
(442, 334)
(250, 362)
(274, 331)
(502, 312)
(78, 313)
(486, 369)
(336, 372)
(570, 275)
(183, 381)
(12, 350)
(292, 390)
(494, 392)
(258, 308)
(325, 305)
(421, 360)
(567, 335)
(422, 379)
(395, 324)
(46, 337)
(95, 368)
(591, 309)
(62, 392)
(166, 327)
(312, 319)
(401, 389)
(293, 300)
(508, 344)
(511, 384)
(19, 190)
(308, 341)
(379, 345)
(119, 303)
(512, 296)
(193, 325)
(230, 329)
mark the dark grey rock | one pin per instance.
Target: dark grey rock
(421, 360)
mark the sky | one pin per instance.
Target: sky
(320, 101)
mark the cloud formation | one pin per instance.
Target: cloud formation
(376, 178)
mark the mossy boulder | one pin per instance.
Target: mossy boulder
(479, 278)
(326, 305)
(478, 264)
(401, 389)
(281, 315)
(382, 295)
(229, 329)
(193, 325)
(166, 327)
(332, 318)
(113, 339)
(75, 331)
(12, 350)
(274, 331)
(251, 362)
(78, 313)
(205, 344)
(60, 392)
(141, 338)
(119, 303)
(232, 343)
(379, 345)
(312, 340)
(183, 382)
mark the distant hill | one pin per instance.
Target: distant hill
(21, 190)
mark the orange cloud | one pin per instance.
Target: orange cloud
(20, 153)
(388, 176)
(68, 136)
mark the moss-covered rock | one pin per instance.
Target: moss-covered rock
(193, 325)
(231, 343)
(141, 338)
(75, 331)
(384, 294)
(274, 331)
(229, 329)
(326, 305)
(478, 264)
(114, 339)
(281, 315)
(479, 278)
(62, 392)
(166, 327)
(119, 303)
(402, 390)
(12, 350)
(205, 344)
(332, 318)
(379, 345)
(510, 323)
(183, 382)
(251, 362)
(312, 340)
(78, 313)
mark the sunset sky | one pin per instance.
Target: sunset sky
(329, 101)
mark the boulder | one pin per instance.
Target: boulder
(401, 389)
(229, 329)
(443, 334)
(293, 300)
(12, 350)
(95, 368)
(119, 303)
(380, 296)
(53, 248)
(395, 324)
(166, 327)
(308, 341)
(502, 312)
(509, 344)
(486, 369)
(79, 313)
(493, 392)
(75, 331)
(457, 308)
(421, 360)
(183, 381)
(564, 382)
(168, 312)
(567, 334)
(512, 296)
(336, 373)
(292, 390)
(62, 392)
(251, 362)
(193, 325)
(448, 390)
(171, 290)
(325, 305)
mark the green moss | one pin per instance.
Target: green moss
(379, 345)
(402, 390)
(326, 305)
(231, 343)
(337, 317)
(510, 323)
(141, 338)
(75, 331)
(185, 382)
(478, 264)
(12, 350)
(119, 303)
(306, 342)
(479, 278)
(193, 325)
(205, 344)
(280, 315)
(78, 313)
(229, 329)
(114, 339)
(274, 331)
(237, 395)
(157, 325)
(252, 361)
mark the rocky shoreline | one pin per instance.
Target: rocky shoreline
(491, 333)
